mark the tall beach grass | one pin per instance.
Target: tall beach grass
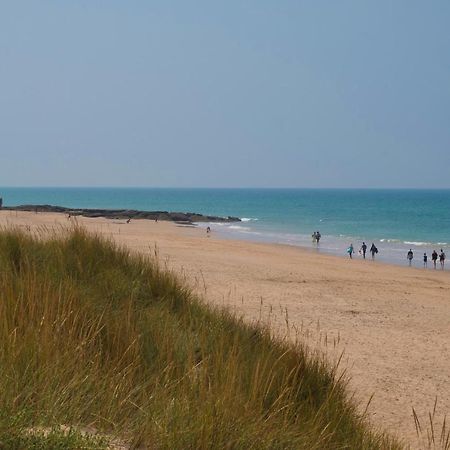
(93, 337)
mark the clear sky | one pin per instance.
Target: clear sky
(225, 94)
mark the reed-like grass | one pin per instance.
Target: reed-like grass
(93, 336)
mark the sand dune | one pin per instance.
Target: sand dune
(392, 323)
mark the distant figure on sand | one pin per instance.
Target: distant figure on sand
(434, 257)
(350, 251)
(129, 220)
(442, 259)
(425, 260)
(208, 231)
(316, 237)
(373, 250)
(410, 256)
(363, 249)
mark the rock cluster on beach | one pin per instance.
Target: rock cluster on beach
(187, 217)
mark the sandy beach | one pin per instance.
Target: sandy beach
(392, 323)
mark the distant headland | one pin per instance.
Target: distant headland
(187, 217)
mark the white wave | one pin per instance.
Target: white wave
(415, 243)
(238, 227)
(248, 219)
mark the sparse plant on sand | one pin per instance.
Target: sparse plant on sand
(430, 435)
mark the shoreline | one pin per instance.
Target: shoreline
(228, 228)
(328, 246)
(254, 222)
(391, 322)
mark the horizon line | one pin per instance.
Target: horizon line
(225, 187)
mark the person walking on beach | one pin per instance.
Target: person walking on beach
(425, 260)
(314, 237)
(318, 236)
(363, 249)
(442, 259)
(208, 231)
(373, 250)
(410, 256)
(350, 251)
(434, 257)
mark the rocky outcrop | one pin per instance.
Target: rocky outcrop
(187, 217)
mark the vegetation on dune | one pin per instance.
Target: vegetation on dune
(93, 336)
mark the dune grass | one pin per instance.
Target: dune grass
(93, 336)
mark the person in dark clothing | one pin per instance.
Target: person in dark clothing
(442, 259)
(364, 249)
(425, 260)
(373, 250)
(410, 256)
(434, 257)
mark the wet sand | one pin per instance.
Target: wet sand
(391, 322)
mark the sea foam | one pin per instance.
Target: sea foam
(239, 227)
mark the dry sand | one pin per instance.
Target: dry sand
(392, 323)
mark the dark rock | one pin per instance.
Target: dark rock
(125, 214)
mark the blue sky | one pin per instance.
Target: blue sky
(225, 94)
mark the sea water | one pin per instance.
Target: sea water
(395, 220)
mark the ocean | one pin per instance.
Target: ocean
(395, 220)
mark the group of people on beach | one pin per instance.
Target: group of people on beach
(409, 256)
(363, 250)
(350, 250)
(434, 258)
(316, 237)
(374, 250)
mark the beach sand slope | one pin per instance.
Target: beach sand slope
(392, 323)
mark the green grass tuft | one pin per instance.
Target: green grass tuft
(93, 336)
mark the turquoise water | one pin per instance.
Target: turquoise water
(393, 219)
